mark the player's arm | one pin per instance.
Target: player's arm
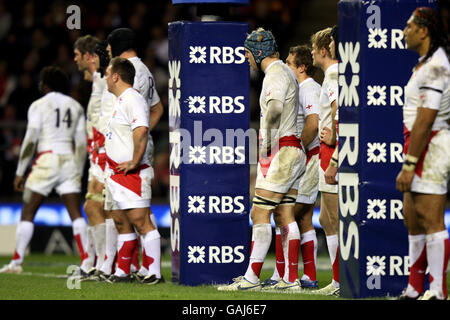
(331, 172)
(140, 137)
(310, 129)
(431, 86)
(272, 124)
(80, 144)
(28, 147)
(156, 111)
(420, 134)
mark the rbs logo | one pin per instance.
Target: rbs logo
(223, 254)
(219, 55)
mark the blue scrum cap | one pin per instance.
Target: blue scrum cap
(261, 44)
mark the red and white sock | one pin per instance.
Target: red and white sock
(261, 239)
(309, 254)
(89, 262)
(24, 232)
(437, 256)
(290, 240)
(126, 244)
(278, 271)
(111, 236)
(418, 261)
(151, 253)
(135, 257)
(99, 233)
(333, 250)
(79, 228)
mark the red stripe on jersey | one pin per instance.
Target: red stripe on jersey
(131, 181)
(325, 154)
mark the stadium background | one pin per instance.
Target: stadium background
(34, 34)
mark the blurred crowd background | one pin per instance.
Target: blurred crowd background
(34, 34)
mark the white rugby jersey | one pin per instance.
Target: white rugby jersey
(429, 87)
(280, 83)
(94, 105)
(308, 96)
(57, 117)
(107, 104)
(130, 111)
(144, 82)
(328, 94)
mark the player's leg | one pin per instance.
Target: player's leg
(430, 210)
(151, 243)
(72, 203)
(290, 240)
(308, 245)
(24, 232)
(416, 250)
(93, 207)
(264, 202)
(126, 243)
(328, 220)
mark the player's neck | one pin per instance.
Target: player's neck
(422, 50)
(302, 77)
(128, 54)
(327, 63)
(266, 62)
(120, 88)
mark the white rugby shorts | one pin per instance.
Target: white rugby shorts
(284, 171)
(54, 171)
(309, 183)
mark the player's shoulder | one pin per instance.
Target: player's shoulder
(139, 67)
(438, 64)
(132, 97)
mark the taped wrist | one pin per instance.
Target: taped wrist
(333, 162)
(410, 163)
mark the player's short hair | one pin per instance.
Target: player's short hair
(302, 55)
(322, 39)
(55, 79)
(124, 68)
(86, 44)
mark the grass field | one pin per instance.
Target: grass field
(45, 278)
(42, 279)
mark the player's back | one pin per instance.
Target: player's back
(58, 116)
(309, 94)
(144, 82)
(281, 84)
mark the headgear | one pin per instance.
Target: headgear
(120, 40)
(261, 44)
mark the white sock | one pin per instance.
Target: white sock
(290, 250)
(111, 236)
(125, 243)
(305, 238)
(416, 246)
(79, 228)
(261, 238)
(24, 232)
(152, 247)
(88, 263)
(99, 232)
(333, 243)
(437, 257)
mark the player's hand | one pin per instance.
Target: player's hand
(126, 167)
(326, 136)
(264, 152)
(330, 175)
(404, 181)
(19, 183)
